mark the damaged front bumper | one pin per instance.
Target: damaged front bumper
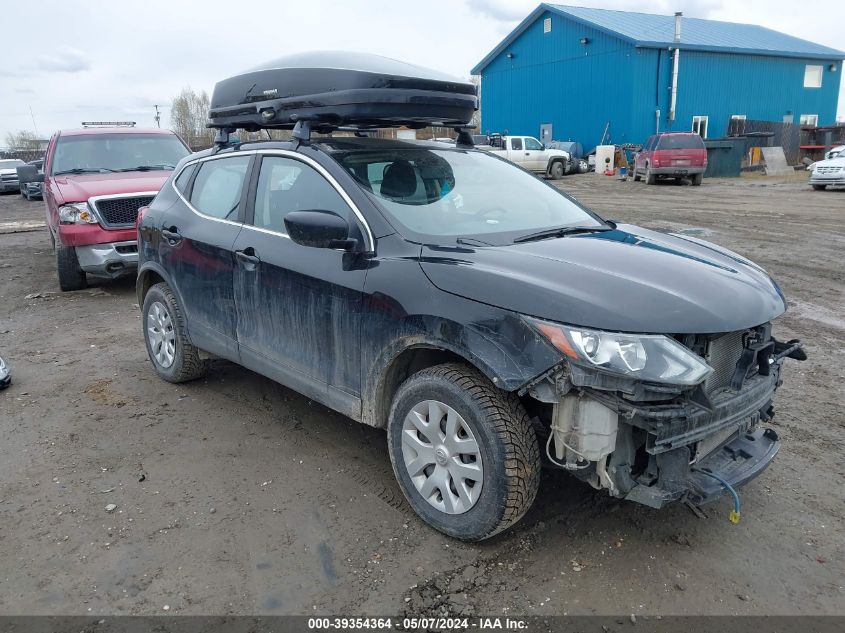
(645, 444)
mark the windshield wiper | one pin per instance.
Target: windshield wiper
(83, 170)
(158, 167)
(471, 241)
(561, 231)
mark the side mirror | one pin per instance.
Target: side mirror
(319, 229)
(29, 173)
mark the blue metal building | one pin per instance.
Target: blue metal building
(569, 73)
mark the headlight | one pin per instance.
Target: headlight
(76, 213)
(647, 357)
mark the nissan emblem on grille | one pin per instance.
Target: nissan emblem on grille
(121, 211)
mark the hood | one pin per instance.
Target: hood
(627, 280)
(839, 161)
(80, 187)
(13, 170)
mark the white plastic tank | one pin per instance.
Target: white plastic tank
(603, 152)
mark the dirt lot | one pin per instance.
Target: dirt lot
(256, 500)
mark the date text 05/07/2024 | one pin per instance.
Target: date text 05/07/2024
(415, 624)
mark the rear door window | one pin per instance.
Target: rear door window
(516, 143)
(218, 186)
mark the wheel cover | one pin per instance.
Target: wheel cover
(442, 457)
(161, 334)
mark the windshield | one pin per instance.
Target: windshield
(457, 193)
(8, 164)
(116, 152)
(680, 141)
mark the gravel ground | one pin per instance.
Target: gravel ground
(234, 495)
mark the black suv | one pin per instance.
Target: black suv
(477, 313)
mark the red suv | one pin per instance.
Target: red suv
(672, 155)
(95, 179)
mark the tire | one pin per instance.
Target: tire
(71, 276)
(557, 170)
(819, 187)
(696, 180)
(173, 356)
(506, 451)
(650, 178)
(637, 176)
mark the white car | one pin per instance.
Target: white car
(9, 174)
(828, 172)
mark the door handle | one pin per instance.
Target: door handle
(172, 235)
(248, 258)
(527, 154)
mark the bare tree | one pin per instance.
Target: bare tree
(188, 116)
(24, 145)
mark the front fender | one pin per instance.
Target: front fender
(489, 349)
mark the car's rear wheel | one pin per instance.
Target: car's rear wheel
(819, 187)
(696, 180)
(174, 357)
(650, 178)
(637, 176)
(71, 275)
(464, 452)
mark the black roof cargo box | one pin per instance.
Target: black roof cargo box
(334, 89)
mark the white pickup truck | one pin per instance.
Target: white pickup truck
(531, 154)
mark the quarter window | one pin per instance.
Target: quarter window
(183, 178)
(218, 185)
(813, 76)
(286, 185)
(516, 143)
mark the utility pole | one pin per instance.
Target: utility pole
(157, 117)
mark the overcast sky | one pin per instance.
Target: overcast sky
(70, 61)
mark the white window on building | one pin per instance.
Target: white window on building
(737, 125)
(547, 25)
(813, 76)
(699, 125)
(809, 119)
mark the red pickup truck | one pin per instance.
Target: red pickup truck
(95, 179)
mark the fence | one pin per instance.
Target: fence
(770, 134)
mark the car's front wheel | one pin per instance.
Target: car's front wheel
(173, 356)
(71, 275)
(557, 170)
(464, 452)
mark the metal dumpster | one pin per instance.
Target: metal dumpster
(724, 156)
